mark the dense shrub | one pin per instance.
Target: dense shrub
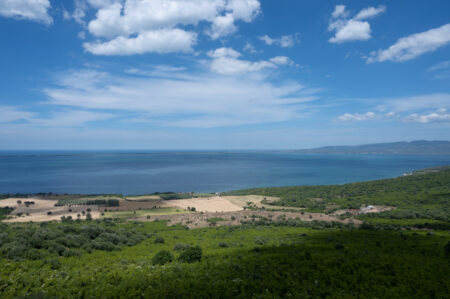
(180, 247)
(67, 239)
(159, 240)
(162, 257)
(190, 255)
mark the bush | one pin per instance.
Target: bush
(180, 247)
(223, 245)
(159, 240)
(191, 255)
(162, 257)
(339, 246)
(54, 263)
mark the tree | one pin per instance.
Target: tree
(162, 257)
(191, 255)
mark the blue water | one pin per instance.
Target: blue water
(147, 172)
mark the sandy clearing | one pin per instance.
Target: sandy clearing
(256, 201)
(208, 204)
(37, 212)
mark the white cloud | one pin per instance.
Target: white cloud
(440, 115)
(286, 41)
(414, 103)
(226, 62)
(441, 70)
(440, 66)
(222, 26)
(66, 118)
(11, 114)
(357, 117)
(410, 47)
(370, 12)
(129, 23)
(159, 41)
(412, 109)
(204, 100)
(340, 12)
(70, 118)
(33, 10)
(249, 48)
(354, 28)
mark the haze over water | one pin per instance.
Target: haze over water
(151, 171)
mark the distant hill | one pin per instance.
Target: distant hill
(418, 147)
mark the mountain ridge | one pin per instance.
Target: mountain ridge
(416, 147)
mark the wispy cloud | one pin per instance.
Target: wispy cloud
(285, 41)
(412, 46)
(441, 70)
(11, 114)
(226, 61)
(203, 100)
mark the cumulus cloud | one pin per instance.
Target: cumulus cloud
(440, 115)
(128, 23)
(352, 29)
(226, 62)
(285, 41)
(34, 10)
(422, 109)
(204, 100)
(412, 46)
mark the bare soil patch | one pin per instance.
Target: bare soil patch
(43, 210)
(208, 204)
(195, 220)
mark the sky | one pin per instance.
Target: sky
(222, 74)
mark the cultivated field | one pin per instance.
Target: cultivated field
(192, 212)
(43, 210)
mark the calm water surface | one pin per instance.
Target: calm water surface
(147, 172)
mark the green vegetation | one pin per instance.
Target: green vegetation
(424, 195)
(259, 260)
(162, 257)
(33, 241)
(274, 257)
(4, 212)
(144, 213)
(88, 202)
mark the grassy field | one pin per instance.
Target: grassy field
(144, 213)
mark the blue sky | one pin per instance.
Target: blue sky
(222, 74)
